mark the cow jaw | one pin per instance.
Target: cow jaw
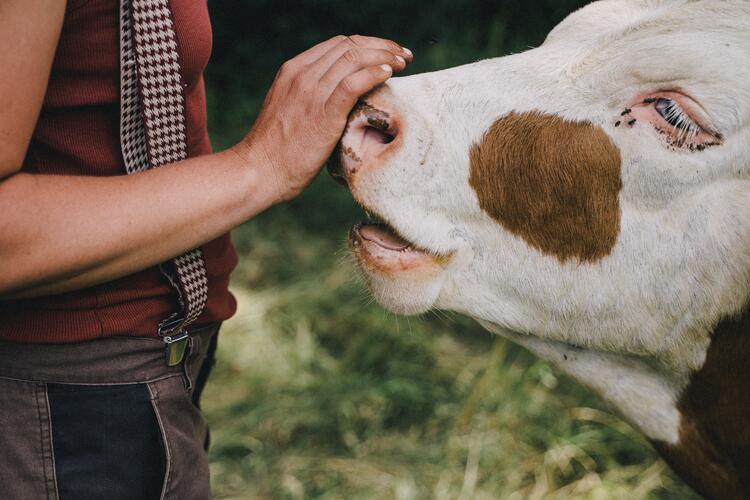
(403, 277)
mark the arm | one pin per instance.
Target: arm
(61, 233)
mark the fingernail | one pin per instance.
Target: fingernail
(407, 51)
(386, 68)
(400, 60)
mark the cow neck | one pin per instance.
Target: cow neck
(713, 452)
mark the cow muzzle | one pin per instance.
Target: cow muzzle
(371, 136)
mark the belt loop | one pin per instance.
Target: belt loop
(194, 343)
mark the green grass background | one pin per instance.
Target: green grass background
(320, 393)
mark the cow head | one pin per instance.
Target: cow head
(589, 198)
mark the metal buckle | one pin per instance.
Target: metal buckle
(175, 346)
(175, 339)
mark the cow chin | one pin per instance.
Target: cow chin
(403, 278)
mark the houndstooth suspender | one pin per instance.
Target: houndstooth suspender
(152, 134)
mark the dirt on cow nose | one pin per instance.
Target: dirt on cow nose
(378, 121)
(370, 131)
(369, 124)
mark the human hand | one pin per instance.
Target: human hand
(305, 111)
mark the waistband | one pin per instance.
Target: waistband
(112, 360)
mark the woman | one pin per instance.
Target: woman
(88, 406)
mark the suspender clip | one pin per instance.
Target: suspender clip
(175, 346)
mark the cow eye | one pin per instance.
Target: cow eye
(674, 115)
(678, 119)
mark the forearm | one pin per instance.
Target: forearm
(61, 233)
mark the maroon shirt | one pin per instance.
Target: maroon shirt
(78, 134)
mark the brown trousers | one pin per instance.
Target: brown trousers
(41, 390)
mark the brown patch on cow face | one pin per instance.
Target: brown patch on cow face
(713, 454)
(551, 182)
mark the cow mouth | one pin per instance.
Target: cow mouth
(379, 246)
(382, 235)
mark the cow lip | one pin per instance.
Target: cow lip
(382, 235)
(378, 247)
(379, 232)
(387, 236)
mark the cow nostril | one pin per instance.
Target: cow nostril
(378, 134)
(368, 134)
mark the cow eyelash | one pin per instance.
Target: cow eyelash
(686, 129)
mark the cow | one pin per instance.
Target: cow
(588, 199)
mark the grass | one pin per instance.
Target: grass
(319, 393)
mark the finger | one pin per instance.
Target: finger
(382, 43)
(324, 63)
(315, 52)
(294, 65)
(354, 60)
(349, 89)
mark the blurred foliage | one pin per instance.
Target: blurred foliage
(319, 393)
(252, 39)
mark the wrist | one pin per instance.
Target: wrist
(265, 184)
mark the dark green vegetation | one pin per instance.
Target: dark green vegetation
(321, 394)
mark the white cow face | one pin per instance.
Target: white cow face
(594, 191)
